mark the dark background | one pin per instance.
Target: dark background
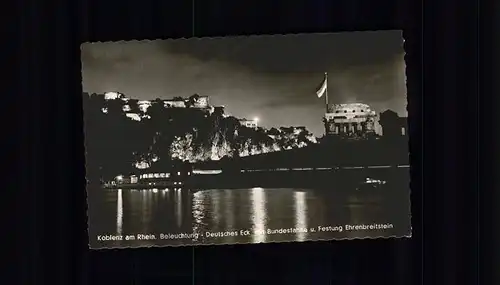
(489, 60)
(51, 215)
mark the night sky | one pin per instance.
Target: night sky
(271, 77)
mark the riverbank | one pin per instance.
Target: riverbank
(362, 181)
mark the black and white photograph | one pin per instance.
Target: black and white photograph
(246, 139)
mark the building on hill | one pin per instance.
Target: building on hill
(392, 124)
(355, 120)
(113, 95)
(195, 101)
(249, 123)
(174, 103)
(201, 102)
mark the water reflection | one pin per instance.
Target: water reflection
(173, 211)
(198, 212)
(119, 212)
(300, 214)
(178, 199)
(215, 204)
(228, 210)
(139, 210)
(146, 210)
(229, 213)
(258, 214)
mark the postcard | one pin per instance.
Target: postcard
(254, 139)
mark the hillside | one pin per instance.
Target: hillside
(123, 134)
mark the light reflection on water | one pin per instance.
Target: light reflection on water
(228, 213)
(178, 199)
(258, 216)
(300, 214)
(119, 212)
(257, 209)
(198, 212)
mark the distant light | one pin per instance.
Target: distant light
(179, 173)
(256, 119)
(119, 177)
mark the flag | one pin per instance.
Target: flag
(322, 89)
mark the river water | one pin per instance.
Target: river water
(253, 215)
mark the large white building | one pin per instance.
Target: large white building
(347, 120)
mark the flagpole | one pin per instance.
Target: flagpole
(326, 91)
